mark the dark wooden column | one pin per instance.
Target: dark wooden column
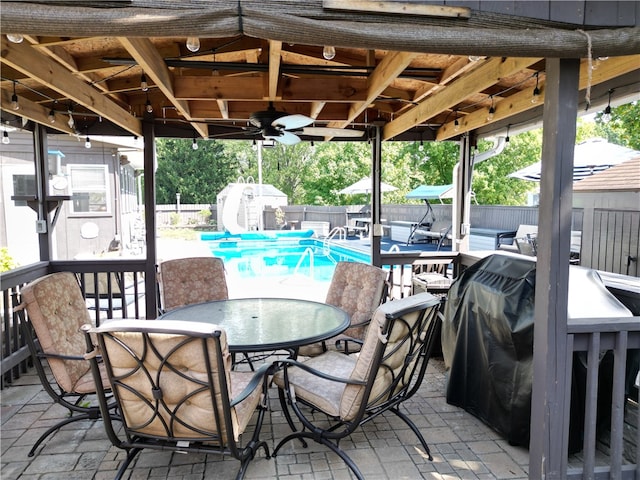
(376, 197)
(40, 149)
(151, 299)
(550, 407)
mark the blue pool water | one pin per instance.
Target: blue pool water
(279, 254)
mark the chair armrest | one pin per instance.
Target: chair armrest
(258, 376)
(60, 356)
(290, 362)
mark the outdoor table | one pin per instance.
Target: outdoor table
(263, 324)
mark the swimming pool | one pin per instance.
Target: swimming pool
(279, 254)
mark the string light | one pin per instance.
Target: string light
(254, 145)
(14, 98)
(606, 115)
(193, 44)
(456, 123)
(536, 92)
(328, 52)
(87, 142)
(52, 116)
(507, 137)
(144, 86)
(15, 37)
(5, 138)
(312, 147)
(71, 122)
(492, 110)
(421, 147)
(194, 145)
(475, 58)
(148, 105)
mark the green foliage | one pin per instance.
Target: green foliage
(6, 261)
(624, 126)
(174, 218)
(491, 182)
(198, 175)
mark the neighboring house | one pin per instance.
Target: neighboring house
(611, 218)
(93, 190)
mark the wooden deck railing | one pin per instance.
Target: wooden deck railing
(113, 288)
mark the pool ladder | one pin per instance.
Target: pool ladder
(340, 232)
(308, 252)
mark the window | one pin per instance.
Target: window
(89, 192)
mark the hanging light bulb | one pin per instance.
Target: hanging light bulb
(456, 123)
(475, 58)
(254, 145)
(606, 115)
(15, 37)
(536, 92)
(52, 116)
(5, 138)
(193, 44)
(87, 142)
(70, 122)
(148, 105)
(507, 137)
(328, 52)
(144, 86)
(312, 147)
(14, 98)
(421, 146)
(194, 145)
(492, 111)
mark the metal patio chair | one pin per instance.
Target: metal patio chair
(55, 312)
(184, 281)
(351, 390)
(357, 288)
(173, 383)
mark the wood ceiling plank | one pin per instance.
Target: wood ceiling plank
(275, 48)
(387, 70)
(51, 74)
(152, 63)
(474, 81)
(521, 101)
(403, 8)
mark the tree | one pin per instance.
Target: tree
(197, 175)
(491, 182)
(623, 128)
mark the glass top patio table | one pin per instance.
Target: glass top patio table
(262, 324)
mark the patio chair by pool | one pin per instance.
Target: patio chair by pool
(184, 281)
(173, 383)
(358, 289)
(55, 312)
(352, 390)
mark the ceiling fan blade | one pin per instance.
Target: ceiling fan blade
(291, 122)
(332, 132)
(286, 138)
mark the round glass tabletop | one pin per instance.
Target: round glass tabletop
(260, 324)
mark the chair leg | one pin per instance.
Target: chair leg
(413, 427)
(131, 454)
(57, 426)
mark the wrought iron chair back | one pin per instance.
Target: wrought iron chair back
(173, 383)
(352, 391)
(51, 312)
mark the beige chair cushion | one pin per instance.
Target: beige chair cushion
(185, 281)
(57, 310)
(188, 361)
(357, 289)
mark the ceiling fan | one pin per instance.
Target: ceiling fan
(283, 128)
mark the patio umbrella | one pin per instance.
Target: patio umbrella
(364, 186)
(431, 192)
(589, 157)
